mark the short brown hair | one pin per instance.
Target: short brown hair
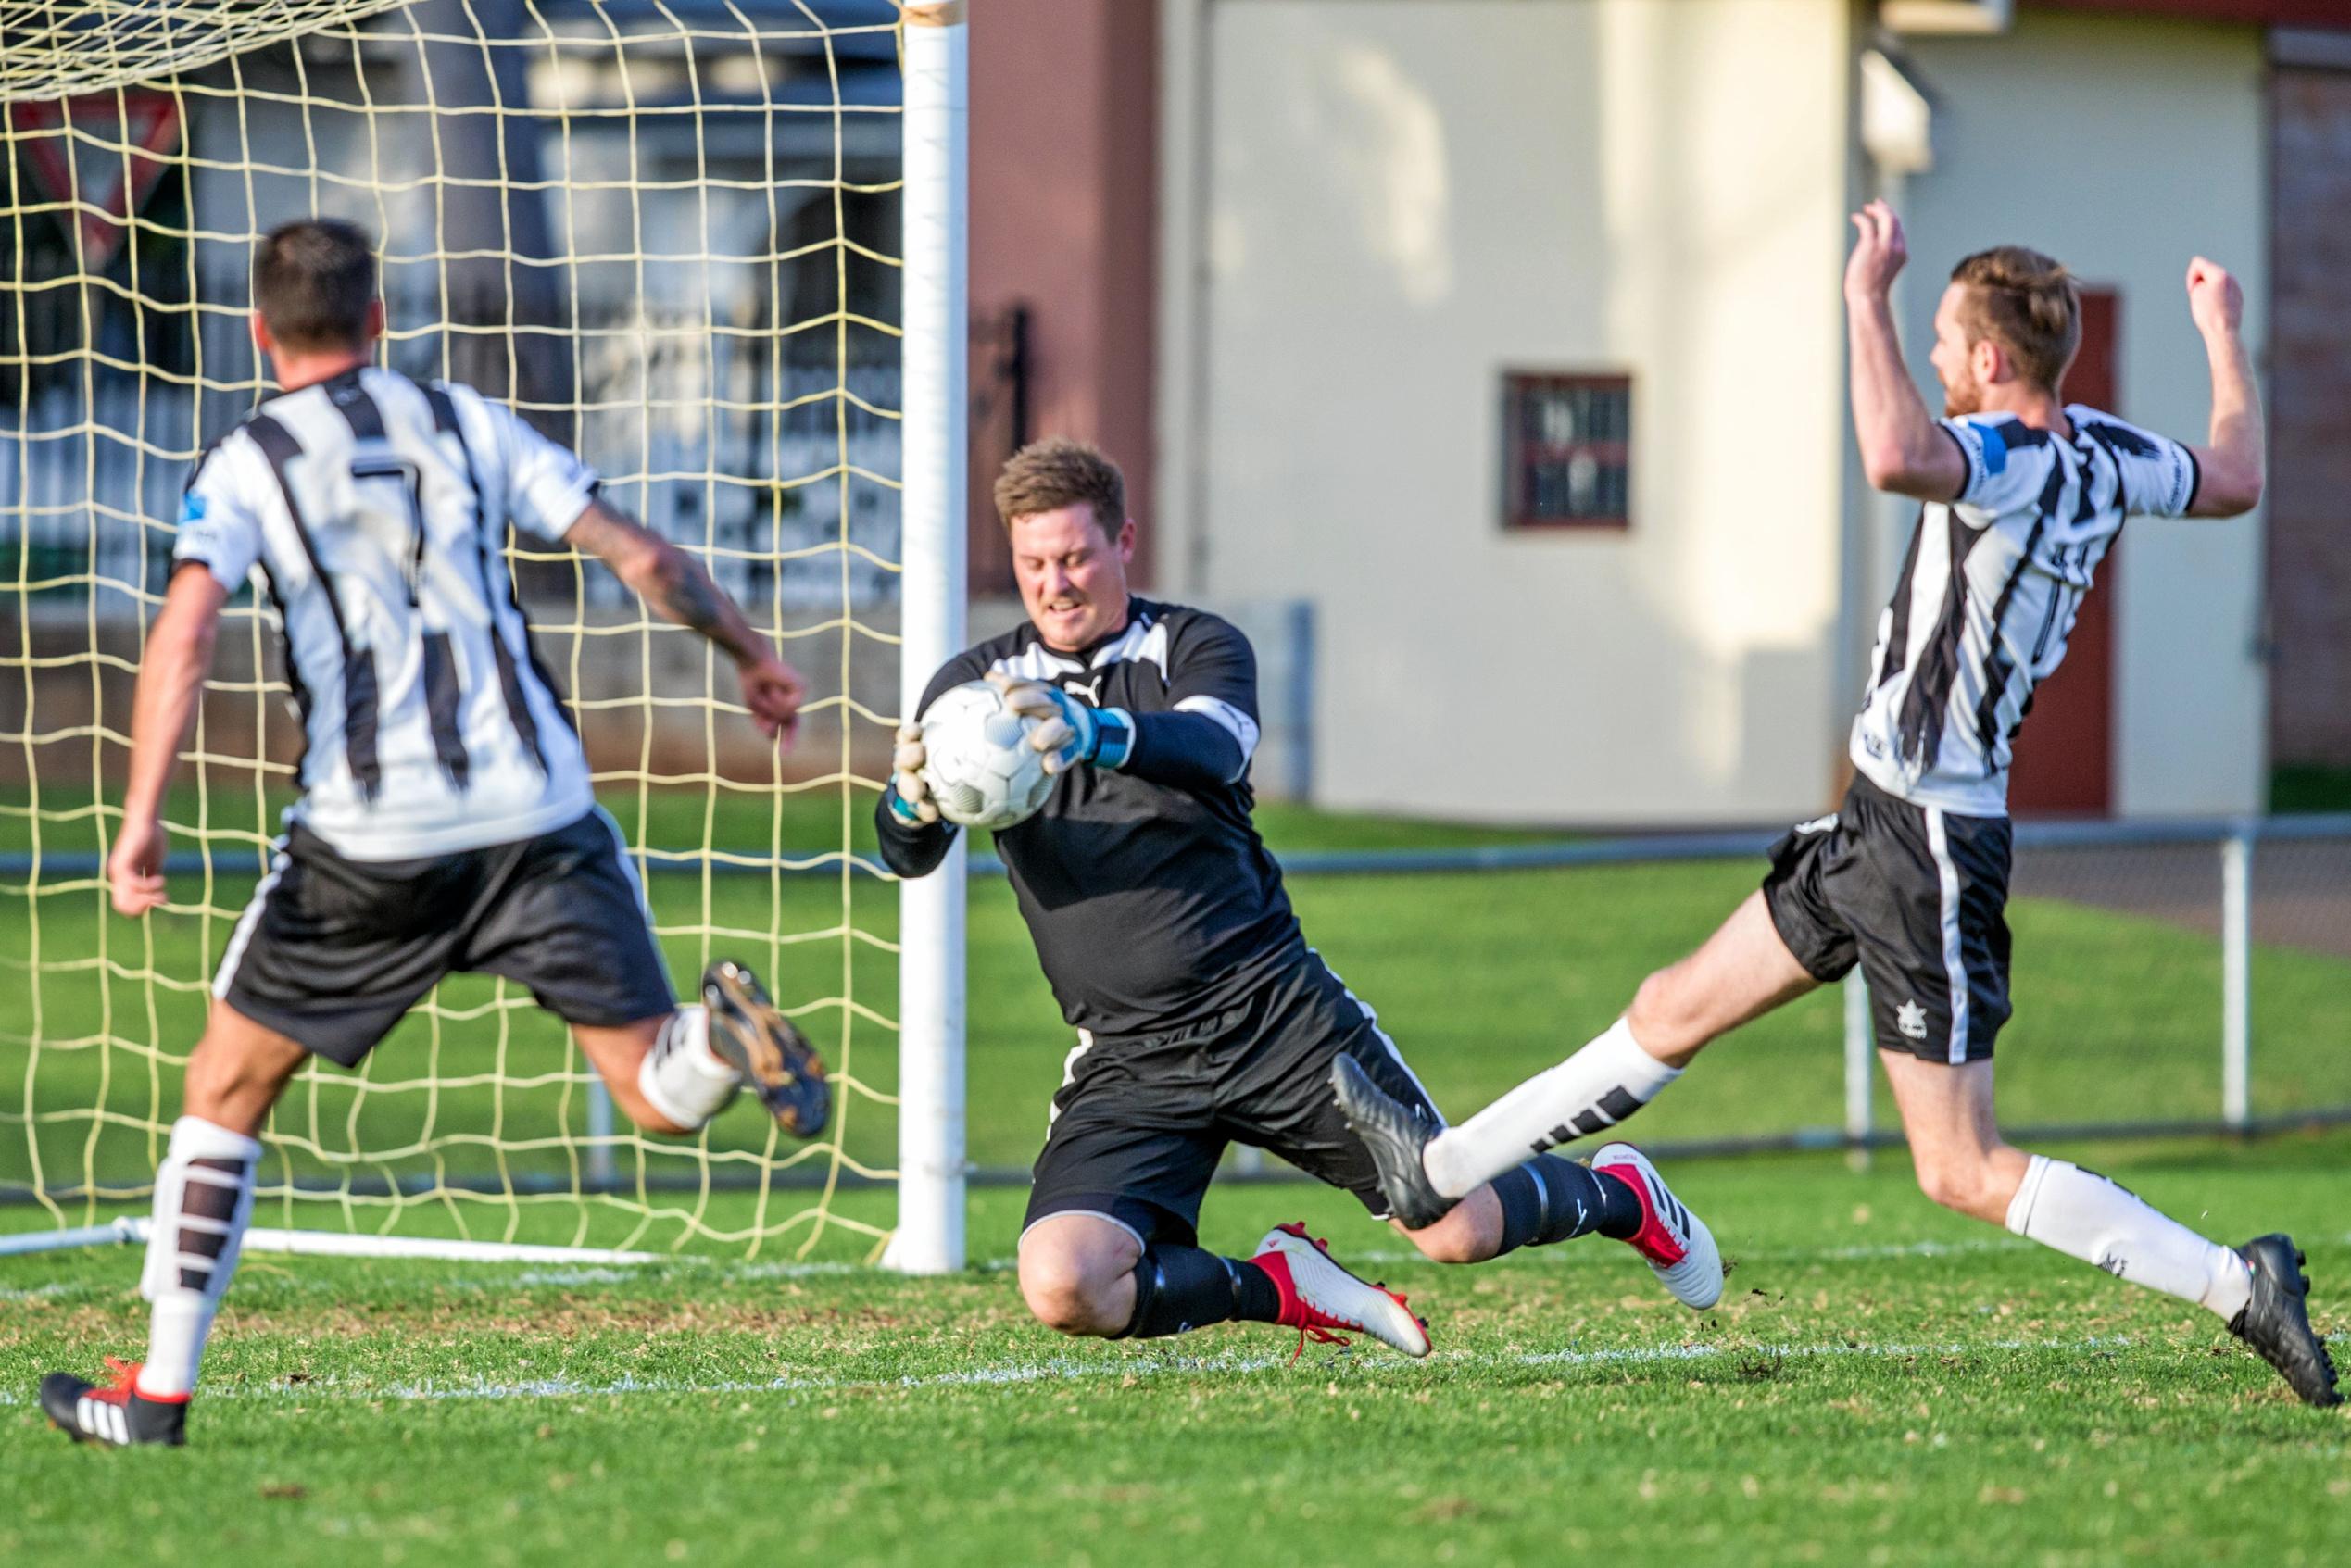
(313, 281)
(1047, 475)
(2028, 304)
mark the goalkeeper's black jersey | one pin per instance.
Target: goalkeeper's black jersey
(1152, 901)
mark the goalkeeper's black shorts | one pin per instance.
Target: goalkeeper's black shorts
(333, 951)
(1141, 1119)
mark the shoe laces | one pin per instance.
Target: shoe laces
(1320, 1336)
(125, 1384)
(1314, 1332)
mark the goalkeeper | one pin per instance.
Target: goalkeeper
(446, 822)
(1203, 1017)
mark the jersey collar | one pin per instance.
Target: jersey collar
(1138, 622)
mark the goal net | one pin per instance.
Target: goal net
(669, 234)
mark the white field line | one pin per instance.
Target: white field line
(1065, 1370)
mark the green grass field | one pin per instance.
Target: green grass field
(1884, 1384)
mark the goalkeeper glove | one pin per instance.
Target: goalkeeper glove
(1069, 732)
(908, 796)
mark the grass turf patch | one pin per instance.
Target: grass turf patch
(1884, 1382)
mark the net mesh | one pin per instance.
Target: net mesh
(668, 234)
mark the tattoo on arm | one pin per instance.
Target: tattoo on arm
(680, 589)
(671, 581)
(685, 593)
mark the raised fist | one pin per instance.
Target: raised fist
(2214, 298)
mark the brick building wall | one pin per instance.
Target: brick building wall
(2310, 495)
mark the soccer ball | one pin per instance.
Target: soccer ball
(978, 763)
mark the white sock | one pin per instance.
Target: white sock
(681, 1078)
(2084, 1215)
(203, 1199)
(1599, 1086)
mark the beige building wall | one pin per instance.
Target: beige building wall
(1400, 199)
(2125, 145)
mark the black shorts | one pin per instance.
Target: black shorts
(1141, 1119)
(1917, 895)
(333, 951)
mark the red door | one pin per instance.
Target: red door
(2065, 758)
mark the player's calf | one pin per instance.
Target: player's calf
(1976, 1182)
(680, 1082)
(1542, 1202)
(203, 1199)
(1470, 1233)
(1425, 1169)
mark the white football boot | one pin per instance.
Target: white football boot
(1676, 1242)
(1319, 1295)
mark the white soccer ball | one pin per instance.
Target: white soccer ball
(977, 760)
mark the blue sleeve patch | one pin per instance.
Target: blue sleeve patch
(1995, 448)
(191, 509)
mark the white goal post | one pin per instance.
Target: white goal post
(930, 973)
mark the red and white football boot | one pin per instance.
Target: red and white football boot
(1676, 1242)
(1322, 1300)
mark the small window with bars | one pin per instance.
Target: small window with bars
(1567, 451)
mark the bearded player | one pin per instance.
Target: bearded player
(1203, 1017)
(446, 822)
(2024, 494)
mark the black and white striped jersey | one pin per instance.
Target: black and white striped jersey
(376, 511)
(1988, 592)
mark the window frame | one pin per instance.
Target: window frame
(1518, 384)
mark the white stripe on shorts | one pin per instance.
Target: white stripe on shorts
(243, 935)
(1955, 965)
(1373, 1019)
(628, 863)
(1069, 1075)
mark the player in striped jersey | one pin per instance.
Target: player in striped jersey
(2023, 494)
(446, 822)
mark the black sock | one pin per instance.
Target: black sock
(1621, 1213)
(1254, 1298)
(1181, 1288)
(1548, 1200)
